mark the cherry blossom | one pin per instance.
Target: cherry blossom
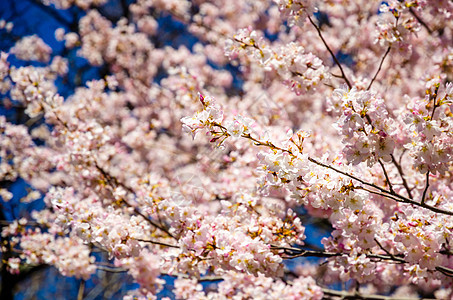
(215, 163)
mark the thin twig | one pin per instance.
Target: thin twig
(386, 177)
(382, 194)
(388, 253)
(404, 199)
(157, 243)
(426, 188)
(380, 66)
(444, 270)
(296, 252)
(435, 102)
(330, 51)
(435, 105)
(111, 269)
(112, 180)
(420, 20)
(201, 279)
(138, 212)
(400, 171)
(424, 205)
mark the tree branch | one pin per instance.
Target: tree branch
(400, 171)
(115, 182)
(420, 20)
(379, 68)
(111, 269)
(426, 188)
(157, 243)
(81, 290)
(386, 176)
(296, 252)
(331, 53)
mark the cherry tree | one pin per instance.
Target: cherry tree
(215, 163)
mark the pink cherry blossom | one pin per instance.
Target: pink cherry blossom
(221, 160)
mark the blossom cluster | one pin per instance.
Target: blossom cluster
(365, 125)
(32, 48)
(299, 70)
(68, 254)
(429, 129)
(234, 242)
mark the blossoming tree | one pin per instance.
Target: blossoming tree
(207, 164)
